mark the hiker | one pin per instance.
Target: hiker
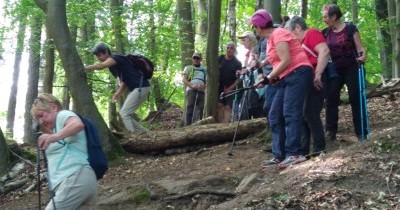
(254, 99)
(130, 79)
(71, 179)
(347, 53)
(194, 78)
(292, 74)
(314, 44)
(229, 65)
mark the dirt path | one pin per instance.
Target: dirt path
(350, 175)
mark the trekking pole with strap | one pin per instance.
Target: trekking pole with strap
(230, 153)
(364, 124)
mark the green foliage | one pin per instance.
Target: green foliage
(140, 194)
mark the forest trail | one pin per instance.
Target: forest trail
(350, 175)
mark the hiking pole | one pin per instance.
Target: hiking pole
(194, 106)
(232, 92)
(363, 104)
(39, 183)
(237, 125)
(51, 192)
(36, 133)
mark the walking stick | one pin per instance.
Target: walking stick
(39, 183)
(230, 153)
(363, 104)
(194, 106)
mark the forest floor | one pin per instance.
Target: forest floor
(351, 175)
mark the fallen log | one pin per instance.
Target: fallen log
(159, 141)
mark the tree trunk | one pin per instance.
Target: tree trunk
(304, 8)
(186, 34)
(118, 27)
(232, 20)
(159, 141)
(384, 38)
(4, 157)
(74, 69)
(392, 21)
(186, 30)
(214, 21)
(396, 44)
(33, 73)
(156, 90)
(274, 7)
(354, 11)
(12, 100)
(49, 69)
(202, 23)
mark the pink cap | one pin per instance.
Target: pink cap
(260, 18)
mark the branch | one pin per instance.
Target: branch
(42, 4)
(207, 192)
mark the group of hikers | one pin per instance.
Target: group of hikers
(288, 68)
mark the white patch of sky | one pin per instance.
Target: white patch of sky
(6, 71)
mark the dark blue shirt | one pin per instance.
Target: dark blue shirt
(127, 73)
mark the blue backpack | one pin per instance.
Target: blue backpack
(96, 157)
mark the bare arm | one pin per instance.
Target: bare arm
(359, 47)
(71, 127)
(121, 89)
(105, 64)
(282, 49)
(322, 50)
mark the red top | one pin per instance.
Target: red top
(312, 38)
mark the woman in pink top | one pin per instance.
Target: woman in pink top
(292, 74)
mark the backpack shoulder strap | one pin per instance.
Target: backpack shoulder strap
(326, 31)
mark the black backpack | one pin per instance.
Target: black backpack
(145, 65)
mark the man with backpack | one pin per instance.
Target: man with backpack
(194, 79)
(72, 180)
(130, 77)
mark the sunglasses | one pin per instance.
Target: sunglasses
(196, 57)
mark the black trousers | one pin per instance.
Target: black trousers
(350, 78)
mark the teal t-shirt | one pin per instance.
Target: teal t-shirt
(67, 155)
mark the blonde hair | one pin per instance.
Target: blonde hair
(43, 103)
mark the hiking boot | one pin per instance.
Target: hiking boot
(331, 136)
(291, 160)
(271, 162)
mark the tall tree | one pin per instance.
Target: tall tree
(201, 23)
(33, 71)
(232, 20)
(384, 37)
(118, 29)
(214, 21)
(12, 100)
(186, 30)
(49, 68)
(56, 19)
(304, 8)
(274, 7)
(354, 11)
(392, 25)
(396, 44)
(186, 33)
(156, 90)
(5, 156)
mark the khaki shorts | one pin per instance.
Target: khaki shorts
(77, 191)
